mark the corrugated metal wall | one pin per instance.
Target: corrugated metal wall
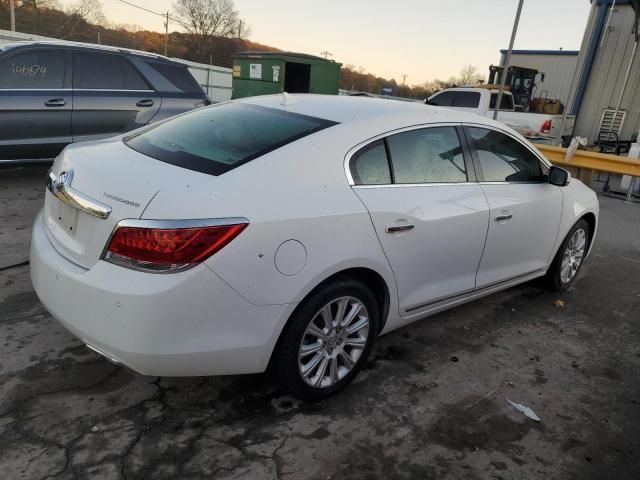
(216, 81)
(558, 70)
(607, 76)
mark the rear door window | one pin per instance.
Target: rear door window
(506, 103)
(34, 69)
(97, 71)
(467, 99)
(217, 139)
(427, 155)
(105, 71)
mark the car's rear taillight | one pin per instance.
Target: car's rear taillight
(164, 247)
(546, 127)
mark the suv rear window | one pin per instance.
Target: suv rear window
(217, 139)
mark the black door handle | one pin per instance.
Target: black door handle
(147, 102)
(55, 102)
(399, 228)
(503, 218)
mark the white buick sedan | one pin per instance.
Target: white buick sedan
(290, 231)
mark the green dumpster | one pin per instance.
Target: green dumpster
(264, 73)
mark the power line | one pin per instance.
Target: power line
(142, 8)
(163, 15)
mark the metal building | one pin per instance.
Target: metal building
(607, 80)
(558, 67)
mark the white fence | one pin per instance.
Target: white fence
(216, 81)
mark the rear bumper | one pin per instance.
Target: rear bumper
(183, 324)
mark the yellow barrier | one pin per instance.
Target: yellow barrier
(603, 162)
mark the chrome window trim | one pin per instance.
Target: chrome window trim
(405, 185)
(536, 182)
(74, 89)
(35, 89)
(355, 149)
(111, 90)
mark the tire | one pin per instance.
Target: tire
(338, 353)
(559, 280)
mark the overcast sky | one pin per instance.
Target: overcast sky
(424, 39)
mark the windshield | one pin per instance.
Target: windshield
(217, 139)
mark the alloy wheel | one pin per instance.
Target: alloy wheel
(573, 254)
(333, 342)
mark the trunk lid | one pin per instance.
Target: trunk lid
(104, 173)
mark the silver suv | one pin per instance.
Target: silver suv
(56, 93)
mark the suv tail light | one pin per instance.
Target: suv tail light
(169, 246)
(546, 127)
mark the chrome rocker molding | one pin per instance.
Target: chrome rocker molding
(473, 293)
(60, 187)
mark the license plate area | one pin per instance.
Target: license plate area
(66, 217)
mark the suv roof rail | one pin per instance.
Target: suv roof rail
(107, 48)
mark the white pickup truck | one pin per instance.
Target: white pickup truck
(541, 127)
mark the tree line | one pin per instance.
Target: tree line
(212, 29)
(212, 32)
(357, 79)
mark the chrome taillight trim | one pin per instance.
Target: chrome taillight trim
(187, 223)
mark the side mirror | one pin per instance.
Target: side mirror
(559, 176)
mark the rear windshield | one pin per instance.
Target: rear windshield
(217, 139)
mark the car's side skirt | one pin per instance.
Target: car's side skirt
(412, 314)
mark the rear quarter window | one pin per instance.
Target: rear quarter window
(179, 76)
(217, 139)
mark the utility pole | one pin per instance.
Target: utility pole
(507, 60)
(326, 54)
(99, 43)
(12, 7)
(166, 33)
(404, 79)
(239, 29)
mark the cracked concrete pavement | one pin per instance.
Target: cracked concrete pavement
(432, 402)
